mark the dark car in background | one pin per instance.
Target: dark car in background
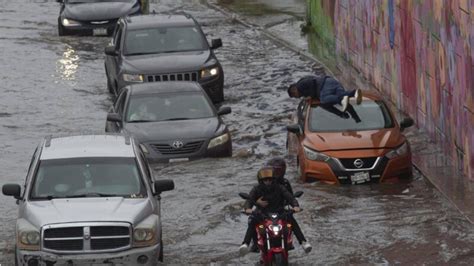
(158, 48)
(95, 17)
(173, 121)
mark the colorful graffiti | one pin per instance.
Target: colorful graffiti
(419, 53)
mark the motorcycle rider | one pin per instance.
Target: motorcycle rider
(274, 196)
(279, 169)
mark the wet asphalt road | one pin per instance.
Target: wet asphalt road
(56, 85)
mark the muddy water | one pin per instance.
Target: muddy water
(53, 85)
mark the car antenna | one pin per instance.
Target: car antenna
(127, 138)
(47, 141)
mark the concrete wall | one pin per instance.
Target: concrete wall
(419, 53)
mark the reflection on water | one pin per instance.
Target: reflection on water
(67, 65)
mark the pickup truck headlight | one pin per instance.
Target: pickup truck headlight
(402, 150)
(132, 77)
(144, 234)
(314, 155)
(28, 237)
(218, 140)
(69, 22)
(209, 72)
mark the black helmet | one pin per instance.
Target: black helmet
(265, 172)
(279, 167)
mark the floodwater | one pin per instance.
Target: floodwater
(56, 85)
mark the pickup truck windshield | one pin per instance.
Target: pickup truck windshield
(88, 177)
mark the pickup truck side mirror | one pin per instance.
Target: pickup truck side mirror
(295, 128)
(163, 185)
(406, 122)
(114, 117)
(224, 110)
(12, 190)
(216, 43)
(110, 50)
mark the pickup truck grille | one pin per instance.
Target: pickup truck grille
(190, 76)
(167, 149)
(86, 237)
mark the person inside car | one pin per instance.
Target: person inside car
(326, 89)
(279, 169)
(274, 196)
(142, 114)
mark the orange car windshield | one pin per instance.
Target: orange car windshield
(370, 115)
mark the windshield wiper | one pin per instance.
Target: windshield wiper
(91, 195)
(176, 118)
(140, 121)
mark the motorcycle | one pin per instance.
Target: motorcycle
(274, 235)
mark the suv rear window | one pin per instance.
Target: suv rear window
(164, 40)
(88, 177)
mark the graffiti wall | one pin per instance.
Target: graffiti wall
(418, 52)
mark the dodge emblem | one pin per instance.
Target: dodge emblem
(358, 163)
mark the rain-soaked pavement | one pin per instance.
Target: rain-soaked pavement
(56, 85)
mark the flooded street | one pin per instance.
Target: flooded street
(56, 85)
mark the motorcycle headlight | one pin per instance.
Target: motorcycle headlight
(314, 155)
(275, 229)
(145, 234)
(132, 77)
(209, 72)
(69, 22)
(402, 150)
(218, 140)
(28, 237)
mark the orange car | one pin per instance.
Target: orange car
(363, 144)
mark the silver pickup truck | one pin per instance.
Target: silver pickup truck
(89, 200)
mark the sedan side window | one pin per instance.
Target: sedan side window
(120, 103)
(117, 37)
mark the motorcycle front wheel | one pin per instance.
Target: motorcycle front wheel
(279, 260)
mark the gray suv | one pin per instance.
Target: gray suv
(156, 48)
(89, 199)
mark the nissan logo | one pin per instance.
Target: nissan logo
(177, 144)
(358, 163)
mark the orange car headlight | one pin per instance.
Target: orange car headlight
(402, 150)
(314, 155)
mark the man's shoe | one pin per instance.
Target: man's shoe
(345, 103)
(243, 249)
(358, 96)
(254, 248)
(306, 247)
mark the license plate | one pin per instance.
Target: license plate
(176, 160)
(99, 31)
(360, 177)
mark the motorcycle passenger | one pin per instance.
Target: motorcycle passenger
(274, 196)
(279, 170)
